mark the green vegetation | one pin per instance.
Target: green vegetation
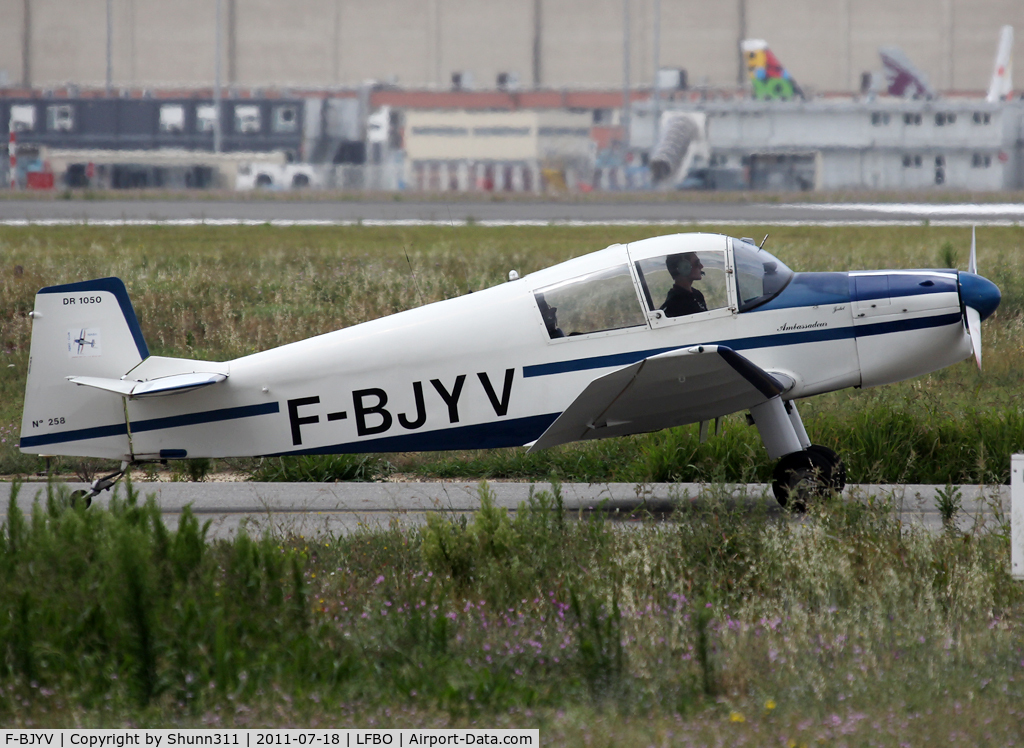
(718, 625)
(219, 293)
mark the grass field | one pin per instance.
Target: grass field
(716, 627)
(219, 293)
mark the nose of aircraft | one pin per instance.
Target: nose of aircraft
(979, 293)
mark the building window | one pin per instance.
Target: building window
(247, 119)
(172, 118)
(981, 160)
(23, 117)
(286, 119)
(440, 130)
(940, 161)
(911, 118)
(502, 132)
(557, 132)
(911, 161)
(206, 116)
(60, 118)
(879, 118)
(982, 118)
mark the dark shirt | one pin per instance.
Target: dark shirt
(681, 302)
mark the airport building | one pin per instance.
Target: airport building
(503, 151)
(454, 95)
(518, 44)
(879, 144)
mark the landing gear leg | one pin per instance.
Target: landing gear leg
(99, 485)
(804, 470)
(832, 467)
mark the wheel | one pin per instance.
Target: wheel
(799, 477)
(836, 475)
(80, 496)
(300, 180)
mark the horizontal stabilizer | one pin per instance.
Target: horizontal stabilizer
(172, 385)
(670, 389)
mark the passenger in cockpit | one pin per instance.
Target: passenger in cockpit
(683, 298)
(550, 316)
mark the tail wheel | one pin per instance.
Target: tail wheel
(800, 477)
(81, 497)
(836, 475)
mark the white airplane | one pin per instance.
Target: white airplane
(611, 343)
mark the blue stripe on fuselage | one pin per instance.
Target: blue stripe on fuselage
(96, 432)
(151, 424)
(741, 344)
(514, 432)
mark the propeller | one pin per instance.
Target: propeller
(973, 317)
(979, 296)
(974, 328)
(972, 263)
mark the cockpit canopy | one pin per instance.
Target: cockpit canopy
(658, 281)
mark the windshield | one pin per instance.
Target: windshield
(760, 276)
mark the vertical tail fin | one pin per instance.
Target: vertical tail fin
(1002, 74)
(79, 329)
(767, 76)
(902, 76)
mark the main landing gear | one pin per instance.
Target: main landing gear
(804, 471)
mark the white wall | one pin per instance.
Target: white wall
(825, 44)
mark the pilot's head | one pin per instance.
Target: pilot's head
(686, 265)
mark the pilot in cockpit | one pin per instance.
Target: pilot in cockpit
(683, 298)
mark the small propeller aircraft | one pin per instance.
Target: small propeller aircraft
(634, 338)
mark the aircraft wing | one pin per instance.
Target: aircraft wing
(670, 389)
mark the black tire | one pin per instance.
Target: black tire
(264, 180)
(836, 475)
(81, 496)
(800, 477)
(300, 180)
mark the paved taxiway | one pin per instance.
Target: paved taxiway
(407, 210)
(313, 508)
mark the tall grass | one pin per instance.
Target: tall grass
(223, 292)
(722, 621)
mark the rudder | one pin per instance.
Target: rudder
(80, 329)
